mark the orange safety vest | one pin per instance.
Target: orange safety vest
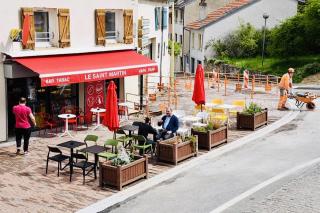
(286, 82)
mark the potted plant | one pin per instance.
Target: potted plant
(252, 117)
(211, 135)
(15, 35)
(175, 149)
(123, 170)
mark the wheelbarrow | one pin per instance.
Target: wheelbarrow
(304, 98)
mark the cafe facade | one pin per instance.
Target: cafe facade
(69, 52)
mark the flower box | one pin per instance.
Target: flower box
(247, 121)
(172, 151)
(119, 176)
(211, 138)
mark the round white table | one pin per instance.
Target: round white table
(198, 124)
(210, 105)
(125, 104)
(97, 111)
(66, 117)
(191, 119)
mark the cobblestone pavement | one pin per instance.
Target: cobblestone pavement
(24, 186)
(297, 193)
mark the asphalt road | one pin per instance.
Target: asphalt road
(221, 180)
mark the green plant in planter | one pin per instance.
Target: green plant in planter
(252, 109)
(123, 158)
(211, 126)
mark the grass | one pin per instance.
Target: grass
(273, 66)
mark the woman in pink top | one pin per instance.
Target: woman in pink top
(23, 128)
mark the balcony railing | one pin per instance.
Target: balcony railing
(44, 36)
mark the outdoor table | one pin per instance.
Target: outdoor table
(197, 124)
(125, 104)
(130, 128)
(191, 119)
(97, 111)
(71, 145)
(66, 117)
(95, 149)
(210, 105)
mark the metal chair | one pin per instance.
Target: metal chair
(84, 164)
(57, 158)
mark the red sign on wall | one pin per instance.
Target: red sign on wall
(94, 95)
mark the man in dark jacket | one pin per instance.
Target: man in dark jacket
(170, 124)
(145, 129)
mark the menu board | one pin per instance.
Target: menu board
(94, 95)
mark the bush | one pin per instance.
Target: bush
(246, 41)
(309, 69)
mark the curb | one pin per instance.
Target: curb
(145, 185)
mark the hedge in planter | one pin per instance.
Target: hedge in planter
(121, 175)
(252, 117)
(175, 150)
(210, 136)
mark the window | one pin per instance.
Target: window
(170, 36)
(200, 41)
(41, 25)
(158, 50)
(192, 40)
(176, 37)
(182, 16)
(157, 17)
(176, 16)
(110, 25)
(181, 39)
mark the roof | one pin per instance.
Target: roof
(220, 13)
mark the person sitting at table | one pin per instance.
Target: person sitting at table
(170, 125)
(145, 129)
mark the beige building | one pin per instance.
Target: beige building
(70, 50)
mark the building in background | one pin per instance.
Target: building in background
(73, 50)
(219, 22)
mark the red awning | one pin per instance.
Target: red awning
(67, 69)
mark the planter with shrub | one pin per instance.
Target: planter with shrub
(210, 135)
(252, 117)
(175, 149)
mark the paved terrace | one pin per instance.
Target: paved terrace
(25, 187)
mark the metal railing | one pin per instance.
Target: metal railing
(44, 36)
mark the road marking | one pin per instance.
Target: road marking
(145, 185)
(262, 185)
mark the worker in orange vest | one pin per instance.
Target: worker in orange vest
(285, 87)
(215, 78)
(245, 79)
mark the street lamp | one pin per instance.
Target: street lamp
(265, 16)
(202, 16)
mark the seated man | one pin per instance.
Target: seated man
(170, 125)
(145, 129)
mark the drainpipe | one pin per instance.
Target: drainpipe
(189, 51)
(161, 51)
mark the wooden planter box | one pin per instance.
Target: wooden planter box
(252, 121)
(207, 140)
(172, 151)
(119, 176)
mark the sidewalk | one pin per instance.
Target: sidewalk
(25, 187)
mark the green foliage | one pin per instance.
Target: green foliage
(177, 48)
(191, 138)
(309, 69)
(209, 127)
(298, 35)
(252, 109)
(243, 42)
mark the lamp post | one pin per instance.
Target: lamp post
(202, 16)
(265, 16)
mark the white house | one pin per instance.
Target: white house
(71, 50)
(220, 22)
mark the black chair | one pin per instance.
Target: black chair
(82, 163)
(57, 158)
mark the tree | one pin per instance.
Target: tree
(177, 48)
